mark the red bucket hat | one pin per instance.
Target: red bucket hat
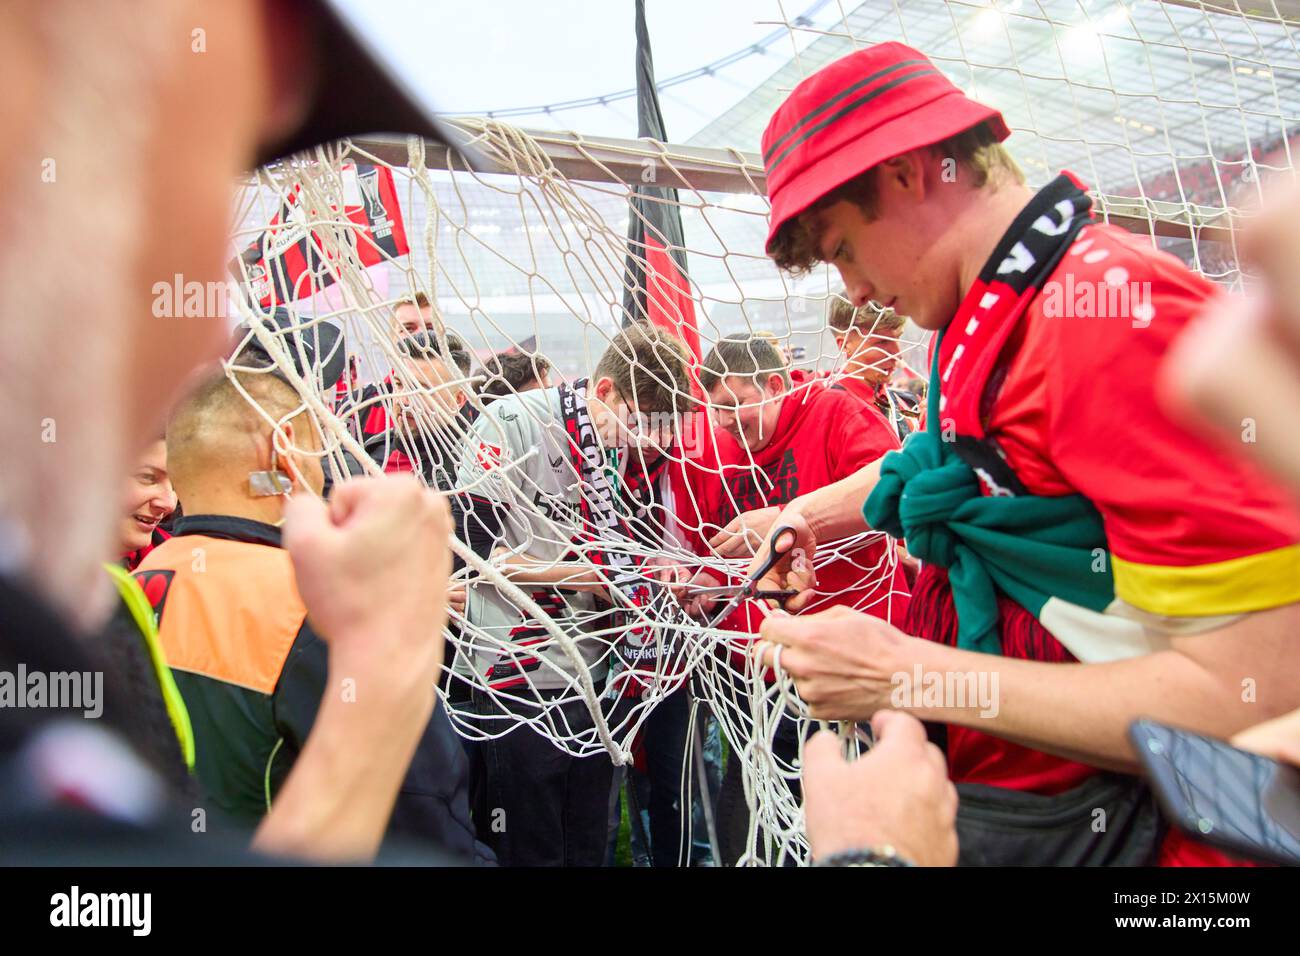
(855, 113)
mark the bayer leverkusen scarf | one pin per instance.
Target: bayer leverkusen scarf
(640, 646)
(1019, 268)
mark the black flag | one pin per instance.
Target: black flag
(656, 288)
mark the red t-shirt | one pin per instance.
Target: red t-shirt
(1193, 530)
(866, 393)
(695, 479)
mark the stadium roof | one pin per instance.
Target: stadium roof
(1121, 94)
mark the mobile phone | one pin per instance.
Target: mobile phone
(1229, 798)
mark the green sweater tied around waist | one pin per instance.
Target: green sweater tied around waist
(1030, 547)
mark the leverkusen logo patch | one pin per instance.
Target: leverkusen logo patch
(489, 456)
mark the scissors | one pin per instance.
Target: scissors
(748, 590)
(731, 590)
(724, 590)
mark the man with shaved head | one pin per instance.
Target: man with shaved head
(216, 434)
(235, 631)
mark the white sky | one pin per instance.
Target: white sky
(481, 55)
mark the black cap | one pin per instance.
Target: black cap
(322, 344)
(358, 90)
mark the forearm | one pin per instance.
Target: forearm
(335, 805)
(525, 569)
(835, 510)
(1083, 711)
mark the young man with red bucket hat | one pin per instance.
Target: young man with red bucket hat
(1086, 559)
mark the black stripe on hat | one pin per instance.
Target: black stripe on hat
(847, 91)
(840, 114)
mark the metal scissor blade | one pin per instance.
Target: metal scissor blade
(726, 590)
(750, 586)
(731, 590)
(728, 609)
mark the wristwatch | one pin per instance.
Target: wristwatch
(885, 856)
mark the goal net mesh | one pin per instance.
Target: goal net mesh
(1171, 112)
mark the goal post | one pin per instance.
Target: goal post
(708, 169)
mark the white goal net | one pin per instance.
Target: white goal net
(1171, 112)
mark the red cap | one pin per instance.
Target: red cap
(858, 112)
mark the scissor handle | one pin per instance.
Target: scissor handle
(751, 583)
(772, 556)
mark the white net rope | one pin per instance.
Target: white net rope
(710, 662)
(1162, 119)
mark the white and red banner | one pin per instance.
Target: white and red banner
(285, 263)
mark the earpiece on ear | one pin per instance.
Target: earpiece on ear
(268, 484)
(273, 482)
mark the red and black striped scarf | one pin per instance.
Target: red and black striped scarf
(602, 524)
(1022, 263)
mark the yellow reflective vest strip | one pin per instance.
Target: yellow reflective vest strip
(142, 613)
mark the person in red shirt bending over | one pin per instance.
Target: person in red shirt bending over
(793, 434)
(1086, 557)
